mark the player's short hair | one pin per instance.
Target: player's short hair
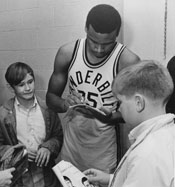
(148, 77)
(104, 19)
(17, 72)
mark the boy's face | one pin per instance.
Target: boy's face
(128, 109)
(25, 89)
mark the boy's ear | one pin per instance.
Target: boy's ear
(140, 103)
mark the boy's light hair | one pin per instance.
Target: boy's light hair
(149, 78)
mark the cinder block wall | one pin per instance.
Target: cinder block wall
(31, 31)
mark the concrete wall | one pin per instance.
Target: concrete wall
(32, 31)
(144, 28)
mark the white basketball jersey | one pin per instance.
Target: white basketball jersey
(94, 81)
(87, 141)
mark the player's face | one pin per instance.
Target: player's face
(99, 44)
(25, 89)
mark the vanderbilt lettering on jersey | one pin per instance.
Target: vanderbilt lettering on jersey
(94, 81)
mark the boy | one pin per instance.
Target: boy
(143, 91)
(25, 119)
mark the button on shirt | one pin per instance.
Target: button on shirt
(31, 132)
(30, 125)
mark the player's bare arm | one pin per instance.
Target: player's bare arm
(58, 79)
(128, 58)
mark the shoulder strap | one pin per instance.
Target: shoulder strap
(74, 54)
(121, 48)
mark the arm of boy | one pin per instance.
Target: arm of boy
(42, 157)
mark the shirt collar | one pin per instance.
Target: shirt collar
(35, 103)
(137, 131)
(149, 124)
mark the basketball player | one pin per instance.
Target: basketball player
(89, 65)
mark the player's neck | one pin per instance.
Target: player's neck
(93, 59)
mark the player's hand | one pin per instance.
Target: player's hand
(97, 177)
(6, 177)
(73, 99)
(42, 157)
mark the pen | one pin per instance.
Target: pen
(82, 100)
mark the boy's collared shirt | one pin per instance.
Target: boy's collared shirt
(149, 125)
(30, 125)
(151, 153)
(31, 132)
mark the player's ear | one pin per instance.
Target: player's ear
(140, 103)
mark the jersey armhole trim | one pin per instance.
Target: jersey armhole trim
(74, 54)
(116, 64)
